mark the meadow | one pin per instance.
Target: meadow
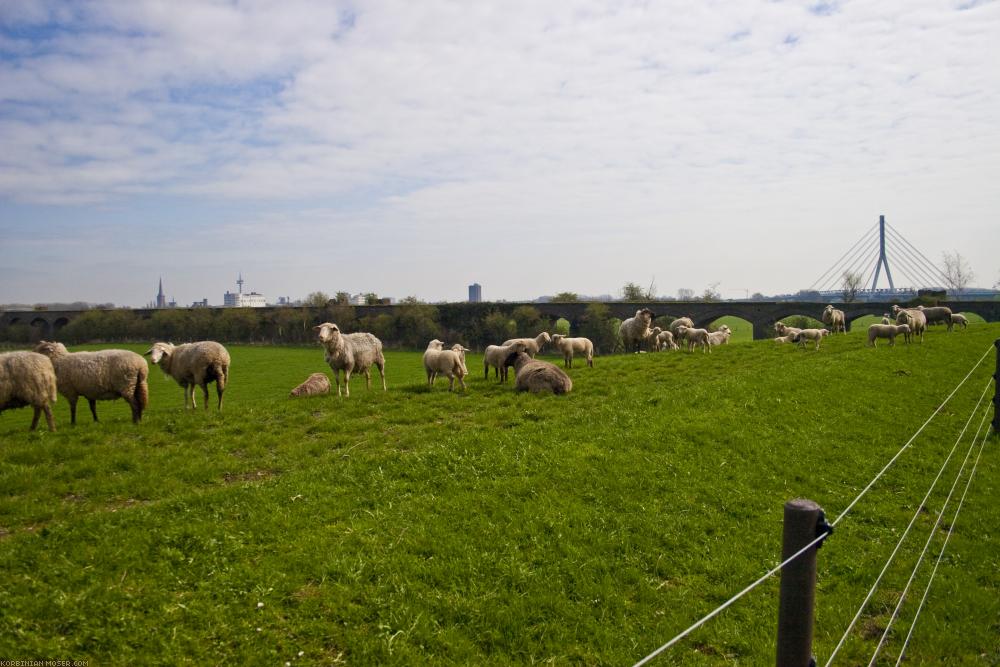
(486, 527)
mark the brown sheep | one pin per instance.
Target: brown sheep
(538, 376)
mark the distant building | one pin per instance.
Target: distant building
(200, 304)
(161, 299)
(241, 300)
(358, 300)
(475, 293)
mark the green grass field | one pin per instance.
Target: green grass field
(486, 527)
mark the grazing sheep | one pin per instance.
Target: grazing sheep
(532, 345)
(959, 319)
(194, 364)
(834, 319)
(912, 317)
(316, 384)
(680, 322)
(28, 378)
(719, 337)
(889, 331)
(783, 329)
(449, 363)
(571, 346)
(937, 315)
(634, 330)
(693, 337)
(810, 334)
(99, 376)
(496, 356)
(536, 376)
(665, 341)
(353, 352)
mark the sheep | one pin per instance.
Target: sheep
(28, 378)
(680, 322)
(810, 334)
(536, 376)
(937, 315)
(834, 319)
(783, 329)
(532, 345)
(194, 364)
(889, 331)
(912, 317)
(783, 339)
(349, 353)
(650, 338)
(959, 319)
(495, 356)
(460, 350)
(886, 319)
(693, 337)
(446, 362)
(634, 330)
(316, 384)
(720, 337)
(99, 376)
(665, 341)
(571, 346)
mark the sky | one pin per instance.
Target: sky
(413, 148)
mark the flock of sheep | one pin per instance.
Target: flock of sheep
(35, 378)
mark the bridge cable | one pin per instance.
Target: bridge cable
(913, 520)
(837, 263)
(865, 256)
(865, 261)
(936, 271)
(725, 605)
(947, 537)
(922, 271)
(915, 275)
(927, 544)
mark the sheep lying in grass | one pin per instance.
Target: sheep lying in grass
(538, 376)
(959, 319)
(28, 378)
(194, 364)
(316, 384)
(937, 315)
(834, 319)
(572, 346)
(888, 331)
(532, 346)
(633, 331)
(693, 337)
(783, 329)
(678, 323)
(665, 341)
(810, 334)
(496, 356)
(720, 336)
(912, 317)
(783, 339)
(353, 352)
(99, 376)
(444, 362)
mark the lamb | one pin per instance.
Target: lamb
(665, 341)
(449, 363)
(783, 329)
(810, 334)
(834, 319)
(536, 376)
(99, 376)
(912, 317)
(571, 346)
(693, 337)
(650, 338)
(634, 330)
(886, 319)
(937, 315)
(353, 352)
(532, 345)
(680, 322)
(961, 320)
(889, 331)
(783, 339)
(495, 356)
(28, 378)
(316, 384)
(194, 364)
(719, 337)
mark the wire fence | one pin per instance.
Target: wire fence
(820, 538)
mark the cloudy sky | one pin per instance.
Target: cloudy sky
(412, 148)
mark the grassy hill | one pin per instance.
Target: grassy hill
(422, 527)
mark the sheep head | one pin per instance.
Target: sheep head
(557, 337)
(328, 331)
(435, 345)
(159, 351)
(51, 350)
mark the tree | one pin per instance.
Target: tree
(596, 324)
(850, 285)
(711, 293)
(372, 299)
(564, 297)
(685, 294)
(632, 292)
(342, 297)
(317, 299)
(957, 272)
(528, 321)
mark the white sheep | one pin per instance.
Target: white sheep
(633, 331)
(834, 319)
(353, 352)
(445, 362)
(912, 317)
(888, 331)
(810, 334)
(572, 346)
(783, 329)
(532, 346)
(665, 341)
(886, 319)
(719, 337)
(316, 384)
(650, 339)
(693, 337)
(28, 378)
(959, 319)
(99, 376)
(194, 364)
(783, 339)
(495, 357)
(680, 322)
(937, 315)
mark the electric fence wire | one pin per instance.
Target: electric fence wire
(913, 520)
(927, 589)
(916, 264)
(916, 250)
(725, 605)
(927, 544)
(864, 237)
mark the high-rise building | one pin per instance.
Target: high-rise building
(161, 299)
(241, 300)
(475, 293)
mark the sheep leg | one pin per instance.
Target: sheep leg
(72, 409)
(368, 378)
(430, 380)
(204, 391)
(34, 421)
(461, 379)
(136, 404)
(93, 407)
(48, 417)
(218, 390)
(381, 372)
(347, 383)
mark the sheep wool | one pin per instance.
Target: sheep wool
(634, 330)
(532, 346)
(834, 319)
(449, 363)
(194, 364)
(937, 315)
(889, 332)
(316, 384)
(495, 357)
(28, 378)
(573, 346)
(538, 376)
(353, 352)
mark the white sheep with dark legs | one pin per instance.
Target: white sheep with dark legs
(351, 353)
(450, 363)
(633, 331)
(573, 346)
(815, 335)
(28, 378)
(99, 376)
(937, 315)
(538, 376)
(834, 319)
(532, 346)
(495, 357)
(960, 320)
(194, 365)
(889, 332)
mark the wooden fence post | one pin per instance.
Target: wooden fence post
(798, 584)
